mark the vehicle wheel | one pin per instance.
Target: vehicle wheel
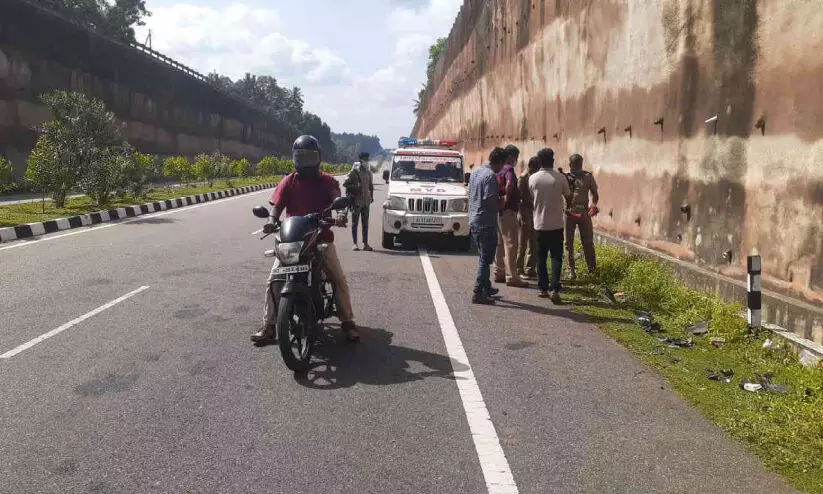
(463, 244)
(388, 241)
(296, 332)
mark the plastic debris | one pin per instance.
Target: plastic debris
(609, 294)
(647, 322)
(724, 375)
(771, 345)
(677, 342)
(699, 329)
(717, 341)
(768, 385)
(751, 387)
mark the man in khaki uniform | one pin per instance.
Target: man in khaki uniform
(528, 247)
(579, 213)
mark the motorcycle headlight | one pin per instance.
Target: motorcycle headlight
(395, 203)
(459, 205)
(289, 252)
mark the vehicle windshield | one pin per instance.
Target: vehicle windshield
(427, 168)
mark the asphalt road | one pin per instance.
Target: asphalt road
(163, 391)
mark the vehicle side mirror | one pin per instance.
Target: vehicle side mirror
(385, 174)
(341, 202)
(261, 212)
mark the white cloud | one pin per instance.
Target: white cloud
(239, 38)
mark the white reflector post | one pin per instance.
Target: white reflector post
(754, 286)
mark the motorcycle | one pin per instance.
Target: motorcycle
(386, 175)
(307, 297)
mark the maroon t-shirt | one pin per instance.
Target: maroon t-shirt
(299, 197)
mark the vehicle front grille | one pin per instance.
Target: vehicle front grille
(427, 205)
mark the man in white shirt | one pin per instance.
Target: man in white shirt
(550, 191)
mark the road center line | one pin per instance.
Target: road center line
(56, 331)
(94, 228)
(496, 471)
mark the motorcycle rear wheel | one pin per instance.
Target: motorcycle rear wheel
(296, 330)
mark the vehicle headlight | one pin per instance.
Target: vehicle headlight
(459, 205)
(289, 252)
(395, 203)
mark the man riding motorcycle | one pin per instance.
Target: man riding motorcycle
(306, 191)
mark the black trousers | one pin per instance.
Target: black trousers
(549, 243)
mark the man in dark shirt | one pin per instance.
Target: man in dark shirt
(505, 263)
(484, 206)
(528, 247)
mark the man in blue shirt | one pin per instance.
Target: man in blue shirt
(484, 207)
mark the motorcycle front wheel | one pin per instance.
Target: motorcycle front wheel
(296, 331)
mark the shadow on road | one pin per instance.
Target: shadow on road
(153, 221)
(565, 313)
(373, 361)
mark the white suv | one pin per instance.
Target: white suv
(426, 193)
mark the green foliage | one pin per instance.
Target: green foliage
(784, 429)
(335, 169)
(271, 166)
(242, 168)
(137, 170)
(178, 167)
(6, 174)
(80, 147)
(435, 52)
(112, 18)
(349, 146)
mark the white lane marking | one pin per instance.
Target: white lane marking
(26, 243)
(496, 471)
(56, 331)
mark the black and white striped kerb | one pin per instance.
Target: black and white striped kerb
(35, 229)
(754, 286)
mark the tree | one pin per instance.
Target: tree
(137, 168)
(178, 167)
(78, 147)
(241, 168)
(6, 174)
(435, 52)
(115, 19)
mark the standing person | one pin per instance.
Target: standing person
(507, 236)
(360, 187)
(579, 213)
(528, 245)
(549, 188)
(484, 207)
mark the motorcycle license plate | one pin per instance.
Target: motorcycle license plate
(428, 220)
(302, 268)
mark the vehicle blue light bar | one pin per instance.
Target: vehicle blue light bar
(411, 141)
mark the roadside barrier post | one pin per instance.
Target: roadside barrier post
(754, 287)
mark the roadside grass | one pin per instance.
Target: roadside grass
(785, 430)
(20, 214)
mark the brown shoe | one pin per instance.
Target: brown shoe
(266, 336)
(555, 296)
(350, 331)
(500, 280)
(543, 294)
(518, 283)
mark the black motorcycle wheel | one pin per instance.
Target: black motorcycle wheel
(296, 332)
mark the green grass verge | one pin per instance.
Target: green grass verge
(785, 430)
(20, 214)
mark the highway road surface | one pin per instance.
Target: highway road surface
(126, 366)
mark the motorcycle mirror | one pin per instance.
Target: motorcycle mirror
(341, 202)
(261, 212)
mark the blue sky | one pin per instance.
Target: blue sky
(359, 62)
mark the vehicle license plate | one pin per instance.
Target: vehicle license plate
(428, 220)
(302, 268)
